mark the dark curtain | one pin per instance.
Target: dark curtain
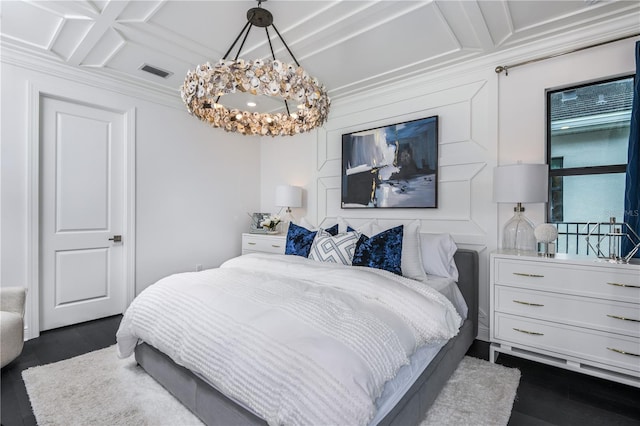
(632, 189)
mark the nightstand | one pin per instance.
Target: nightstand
(575, 312)
(263, 243)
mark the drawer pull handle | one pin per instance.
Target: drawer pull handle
(251, 244)
(622, 318)
(522, 274)
(533, 333)
(624, 285)
(275, 246)
(527, 303)
(623, 352)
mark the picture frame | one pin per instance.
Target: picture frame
(256, 219)
(393, 166)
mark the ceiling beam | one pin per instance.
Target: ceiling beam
(102, 24)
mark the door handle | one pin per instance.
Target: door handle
(116, 239)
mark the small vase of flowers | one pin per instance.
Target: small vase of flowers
(271, 224)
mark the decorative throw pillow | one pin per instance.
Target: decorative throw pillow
(300, 239)
(364, 228)
(382, 251)
(412, 265)
(333, 230)
(334, 248)
(437, 255)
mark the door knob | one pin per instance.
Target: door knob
(116, 239)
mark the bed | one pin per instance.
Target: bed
(215, 408)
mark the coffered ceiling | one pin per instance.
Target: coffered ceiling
(348, 45)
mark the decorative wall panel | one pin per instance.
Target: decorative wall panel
(466, 147)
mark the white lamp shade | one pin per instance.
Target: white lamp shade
(288, 196)
(520, 183)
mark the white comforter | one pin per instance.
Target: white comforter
(293, 340)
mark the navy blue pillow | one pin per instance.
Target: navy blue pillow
(299, 240)
(382, 251)
(333, 230)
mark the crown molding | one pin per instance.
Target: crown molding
(14, 54)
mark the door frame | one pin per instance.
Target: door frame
(35, 94)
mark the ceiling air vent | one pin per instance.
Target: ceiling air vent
(155, 71)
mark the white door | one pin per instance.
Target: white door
(82, 270)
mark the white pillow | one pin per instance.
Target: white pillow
(411, 262)
(437, 255)
(305, 223)
(366, 228)
(335, 249)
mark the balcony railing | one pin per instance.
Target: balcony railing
(572, 238)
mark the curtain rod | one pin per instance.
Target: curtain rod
(506, 68)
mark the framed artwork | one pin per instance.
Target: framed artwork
(393, 166)
(256, 218)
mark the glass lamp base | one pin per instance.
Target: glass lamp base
(518, 233)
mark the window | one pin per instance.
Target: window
(587, 140)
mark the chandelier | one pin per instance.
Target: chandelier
(204, 86)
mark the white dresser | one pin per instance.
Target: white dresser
(263, 243)
(574, 312)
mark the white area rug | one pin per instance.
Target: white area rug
(99, 389)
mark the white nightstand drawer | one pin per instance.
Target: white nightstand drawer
(263, 243)
(605, 281)
(620, 317)
(590, 345)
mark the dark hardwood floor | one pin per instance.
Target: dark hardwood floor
(546, 395)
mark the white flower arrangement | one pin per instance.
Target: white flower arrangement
(271, 222)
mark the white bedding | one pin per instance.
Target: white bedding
(397, 387)
(293, 340)
(449, 289)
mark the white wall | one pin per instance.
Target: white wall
(194, 184)
(485, 120)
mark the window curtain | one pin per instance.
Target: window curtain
(632, 189)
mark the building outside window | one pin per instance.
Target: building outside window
(587, 144)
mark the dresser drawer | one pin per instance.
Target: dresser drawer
(263, 244)
(590, 345)
(615, 317)
(604, 281)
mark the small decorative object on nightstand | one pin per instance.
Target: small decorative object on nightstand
(256, 218)
(605, 240)
(546, 235)
(271, 224)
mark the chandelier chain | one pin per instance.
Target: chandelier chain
(285, 45)
(243, 40)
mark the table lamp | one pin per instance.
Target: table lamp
(288, 196)
(520, 183)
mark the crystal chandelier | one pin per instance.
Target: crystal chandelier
(204, 86)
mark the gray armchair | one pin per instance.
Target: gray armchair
(11, 323)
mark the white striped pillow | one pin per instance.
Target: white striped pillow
(335, 249)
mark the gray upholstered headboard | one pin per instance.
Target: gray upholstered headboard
(467, 263)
